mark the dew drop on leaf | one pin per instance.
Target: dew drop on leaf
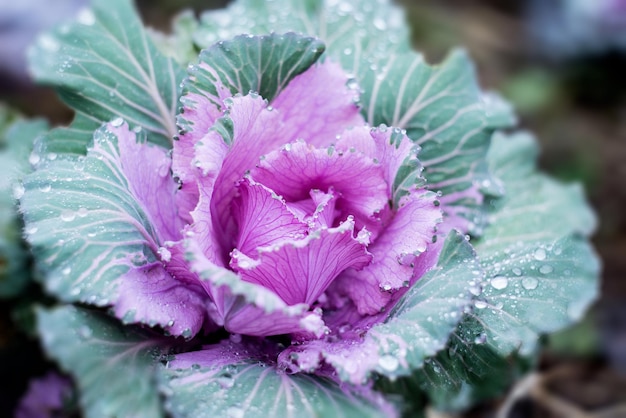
(480, 304)
(226, 381)
(388, 363)
(34, 159)
(68, 216)
(86, 17)
(540, 254)
(49, 43)
(546, 269)
(235, 412)
(499, 282)
(530, 283)
(481, 339)
(18, 191)
(85, 332)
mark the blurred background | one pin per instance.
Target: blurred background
(562, 63)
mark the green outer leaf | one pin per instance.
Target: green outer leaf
(85, 226)
(349, 29)
(548, 268)
(16, 143)
(252, 388)
(467, 371)
(114, 367)
(421, 323)
(263, 64)
(443, 111)
(71, 140)
(507, 322)
(104, 66)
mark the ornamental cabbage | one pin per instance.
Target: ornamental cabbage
(289, 221)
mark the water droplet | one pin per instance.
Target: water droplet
(476, 290)
(499, 282)
(480, 304)
(34, 159)
(66, 271)
(517, 272)
(530, 283)
(380, 24)
(481, 339)
(85, 331)
(48, 42)
(165, 254)
(68, 216)
(117, 122)
(388, 363)
(18, 191)
(546, 269)
(86, 17)
(235, 412)
(45, 188)
(540, 254)
(82, 212)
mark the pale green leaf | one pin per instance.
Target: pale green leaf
(85, 226)
(16, 142)
(350, 30)
(444, 112)
(263, 64)
(105, 66)
(236, 384)
(540, 276)
(113, 366)
(541, 272)
(420, 324)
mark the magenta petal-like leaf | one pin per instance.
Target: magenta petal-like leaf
(300, 271)
(263, 218)
(461, 216)
(209, 242)
(396, 153)
(150, 295)
(395, 251)
(318, 104)
(255, 132)
(354, 360)
(147, 171)
(242, 379)
(247, 308)
(198, 114)
(298, 168)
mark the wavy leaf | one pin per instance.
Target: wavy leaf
(114, 367)
(233, 380)
(15, 145)
(350, 30)
(540, 276)
(105, 66)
